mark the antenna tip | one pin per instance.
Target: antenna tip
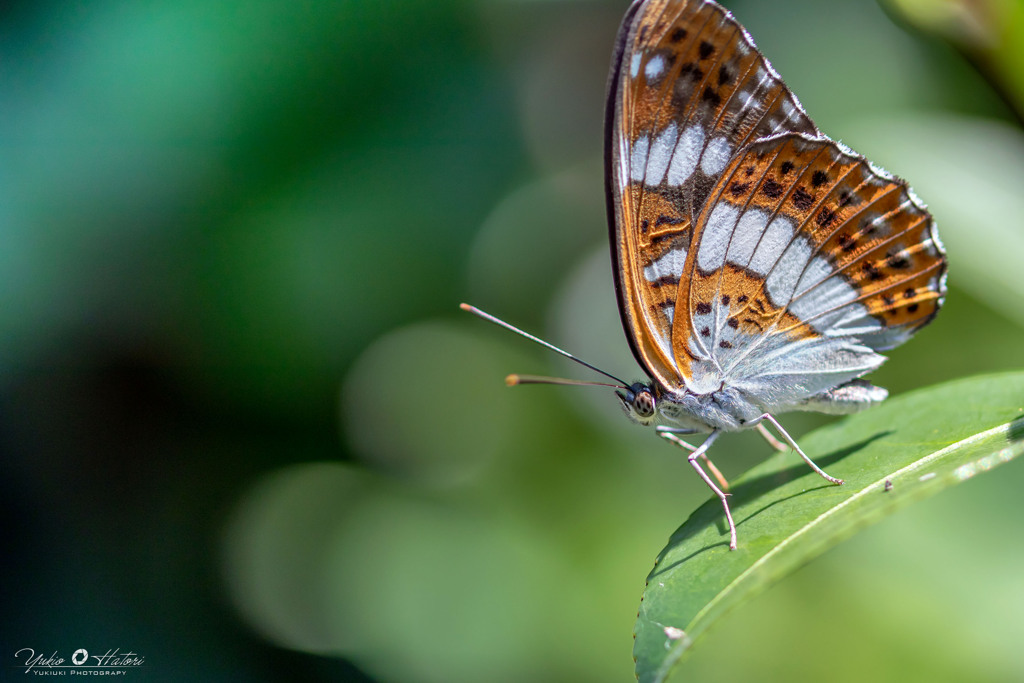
(466, 307)
(512, 380)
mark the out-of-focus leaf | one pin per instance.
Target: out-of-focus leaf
(989, 31)
(911, 448)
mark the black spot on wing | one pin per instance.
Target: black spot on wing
(897, 261)
(692, 70)
(668, 220)
(771, 189)
(751, 321)
(826, 217)
(725, 76)
(873, 273)
(802, 199)
(737, 189)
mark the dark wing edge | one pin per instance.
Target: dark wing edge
(612, 197)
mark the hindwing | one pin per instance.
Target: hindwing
(806, 260)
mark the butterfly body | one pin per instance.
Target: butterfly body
(729, 409)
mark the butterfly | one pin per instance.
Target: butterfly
(760, 267)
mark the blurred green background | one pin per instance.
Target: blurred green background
(247, 434)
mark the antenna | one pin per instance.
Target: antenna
(512, 380)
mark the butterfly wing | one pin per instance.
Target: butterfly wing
(688, 89)
(806, 260)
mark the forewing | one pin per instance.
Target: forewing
(688, 89)
(807, 259)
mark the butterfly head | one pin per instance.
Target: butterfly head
(639, 402)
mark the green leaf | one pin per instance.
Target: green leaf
(909, 448)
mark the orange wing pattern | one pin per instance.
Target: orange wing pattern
(688, 90)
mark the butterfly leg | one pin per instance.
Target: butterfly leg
(772, 441)
(692, 459)
(791, 442)
(704, 456)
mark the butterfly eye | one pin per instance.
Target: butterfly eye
(643, 402)
(638, 403)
